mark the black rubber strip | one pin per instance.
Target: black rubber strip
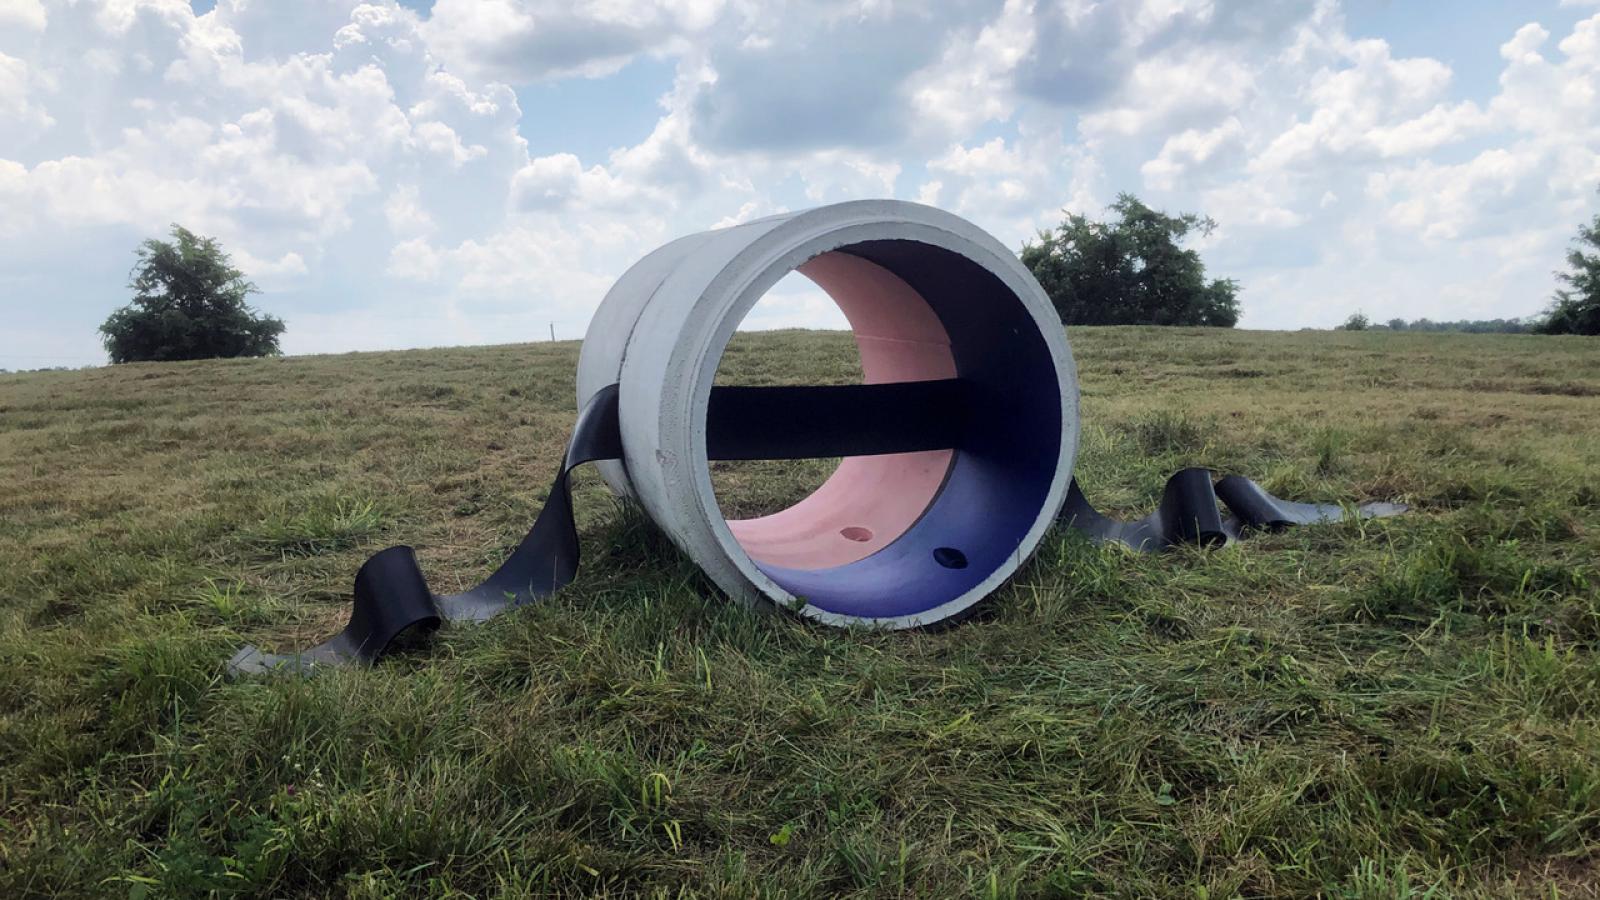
(392, 597)
(1188, 513)
(815, 422)
(1254, 508)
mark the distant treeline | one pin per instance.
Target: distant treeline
(1474, 326)
(1359, 322)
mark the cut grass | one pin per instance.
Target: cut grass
(1406, 707)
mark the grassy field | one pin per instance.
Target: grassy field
(1405, 707)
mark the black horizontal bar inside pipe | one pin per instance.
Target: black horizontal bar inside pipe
(836, 420)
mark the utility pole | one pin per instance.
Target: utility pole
(552, 331)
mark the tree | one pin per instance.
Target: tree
(1358, 321)
(1131, 271)
(1576, 309)
(188, 303)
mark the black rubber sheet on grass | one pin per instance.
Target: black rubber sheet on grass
(1188, 513)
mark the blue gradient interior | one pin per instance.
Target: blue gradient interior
(1000, 475)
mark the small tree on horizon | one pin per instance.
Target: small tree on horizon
(1576, 309)
(188, 303)
(1358, 321)
(1131, 271)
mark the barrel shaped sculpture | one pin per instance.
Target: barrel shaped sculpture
(957, 450)
(896, 539)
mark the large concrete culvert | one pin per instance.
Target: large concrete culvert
(890, 540)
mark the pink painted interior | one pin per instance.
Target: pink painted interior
(869, 500)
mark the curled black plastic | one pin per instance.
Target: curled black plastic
(1253, 507)
(1188, 513)
(392, 597)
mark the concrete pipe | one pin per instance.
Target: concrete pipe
(891, 540)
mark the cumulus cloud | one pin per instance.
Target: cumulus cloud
(972, 82)
(405, 212)
(824, 75)
(19, 88)
(1191, 150)
(1365, 102)
(560, 181)
(22, 14)
(1549, 109)
(522, 41)
(1138, 58)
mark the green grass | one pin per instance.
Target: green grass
(1405, 707)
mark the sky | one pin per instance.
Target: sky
(480, 171)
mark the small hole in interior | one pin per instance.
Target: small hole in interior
(856, 533)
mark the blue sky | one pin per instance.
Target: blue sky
(474, 171)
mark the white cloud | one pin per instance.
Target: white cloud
(1547, 168)
(271, 272)
(1367, 104)
(1015, 188)
(1192, 149)
(1167, 92)
(1524, 45)
(560, 181)
(19, 108)
(414, 260)
(971, 82)
(441, 140)
(28, 14)
(405, 212)
(1440, 202)
(522, 41)
(1251, 202)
